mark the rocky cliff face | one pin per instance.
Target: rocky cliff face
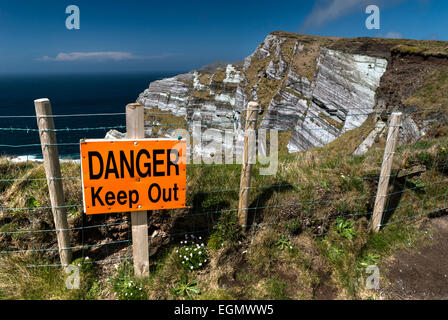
(313, 88)
(343, 95)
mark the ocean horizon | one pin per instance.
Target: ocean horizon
(69, 94)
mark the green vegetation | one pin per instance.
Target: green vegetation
(433, 93)
(345, 228)
(203, 95)
(337, 124)
(26, 277)
(205, 78)
(310, 229)
(219, 75)
(309, 222)
(434, 48)
(125, 286)
(226, 231)
(275, 289)
(284, 243)
(192, 254)
(186, 289)
(165, 118)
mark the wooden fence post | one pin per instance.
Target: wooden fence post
(52, 167)
(386, 167)
(135, 129)
(246, 168)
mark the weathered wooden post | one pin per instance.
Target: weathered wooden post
(246, 168)
(52, 167)
(135, 129)
(386, 167)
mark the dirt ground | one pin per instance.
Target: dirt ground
(421, 274)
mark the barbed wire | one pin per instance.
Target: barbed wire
(298, 203)
(66, 115)
(62, 129)
(265, 119)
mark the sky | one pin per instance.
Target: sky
(146, 35)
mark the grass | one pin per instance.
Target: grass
(433, 93)
(310, 219)
(226, 231)
(125, 286)
(19, 279)
(185, 288)
(318, 202)
(10, 170)
(19, 282)
(349, 257)
(203, 95)
(205, 78)
(219, 75)
(383, 47)
(165, 118)
(268, 89)
(275, 289)
(427, 48)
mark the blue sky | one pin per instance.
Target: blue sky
(146, 35)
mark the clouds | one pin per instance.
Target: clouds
(325, 11)
(83, 56)
(432, 36)
(393, 35)
(99, 56)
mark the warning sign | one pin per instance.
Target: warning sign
(133, 175)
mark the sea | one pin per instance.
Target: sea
(70, 95)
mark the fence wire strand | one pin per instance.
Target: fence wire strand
(275, 201)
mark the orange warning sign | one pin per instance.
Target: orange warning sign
(133, 175)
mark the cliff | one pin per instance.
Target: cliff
(313, 89)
